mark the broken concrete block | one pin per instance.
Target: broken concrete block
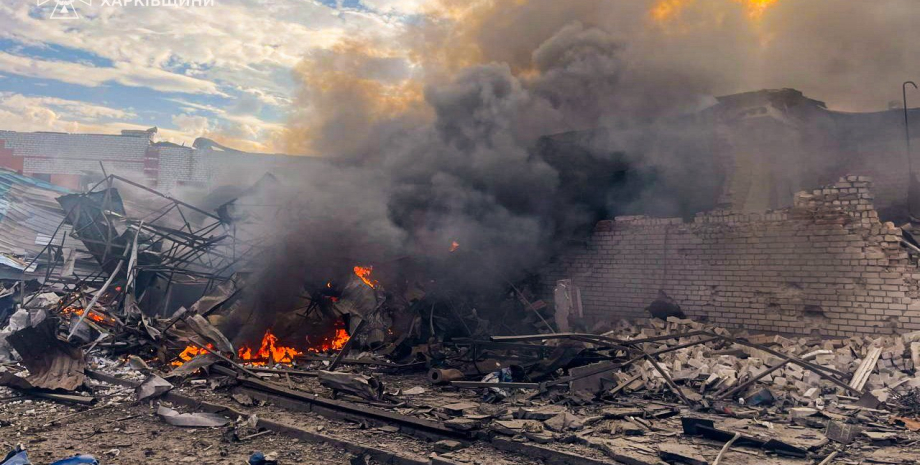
(880, 437)
(631, 429)
(539, 437)
(911, 337)
(564, 421)
(843, 433)
(515, 427)
(447, 445)
(457, 409)
(881, 394)
(463, 424)
(591, 384)
(625, 451)
(801, 412)
(682, 453)
(541, 413)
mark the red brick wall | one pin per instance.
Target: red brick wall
(7, 160)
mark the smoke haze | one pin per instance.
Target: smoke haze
(430, 135)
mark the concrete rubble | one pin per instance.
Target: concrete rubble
(368, 358)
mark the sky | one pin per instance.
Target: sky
(222, 71)
(278, 75)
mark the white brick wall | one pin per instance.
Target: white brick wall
(826, 265)
(88, 146)
(168, 165)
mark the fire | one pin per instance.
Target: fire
(92, 315)
(341, 337)
(334, 343)
(189, 353)
(666, 10)
(268, 351)
(364, 272)
(454, 246)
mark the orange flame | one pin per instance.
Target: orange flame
(364, 272)
(454, 246)
(92, 314)
(335, 343)
(189, 353)
(268, 351)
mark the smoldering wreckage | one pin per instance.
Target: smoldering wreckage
(394, 371)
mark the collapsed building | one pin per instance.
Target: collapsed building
(826, 265)
(752, 316)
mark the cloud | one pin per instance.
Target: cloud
(25, 113)
(189, 124)
(236, 42)
(398, 7)
(92, 76)
(242, 50)
(69, 108)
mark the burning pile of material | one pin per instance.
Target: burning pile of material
(268, 352)
(128, 308)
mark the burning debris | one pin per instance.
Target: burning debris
(268, 352)
(364, 340)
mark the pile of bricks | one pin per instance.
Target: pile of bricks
(711, 369)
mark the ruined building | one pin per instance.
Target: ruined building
(765, 247)
(720, 210)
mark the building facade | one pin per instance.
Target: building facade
(74, 161)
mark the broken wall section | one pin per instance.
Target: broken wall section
(825, 266)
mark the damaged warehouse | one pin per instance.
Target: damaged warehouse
(794, 338)
(503, 232)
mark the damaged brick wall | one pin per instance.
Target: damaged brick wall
(825, 266)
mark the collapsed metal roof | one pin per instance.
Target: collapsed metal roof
(29, 217)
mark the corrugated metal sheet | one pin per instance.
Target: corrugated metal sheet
(29, 216)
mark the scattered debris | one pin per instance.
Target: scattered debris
(191, 420)
(366, 387)
(665, 390)
(152, 387)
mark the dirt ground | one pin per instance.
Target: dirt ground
(130, 434)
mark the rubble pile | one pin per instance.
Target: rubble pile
(885, 364)
(169, 314)
(789, 398)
